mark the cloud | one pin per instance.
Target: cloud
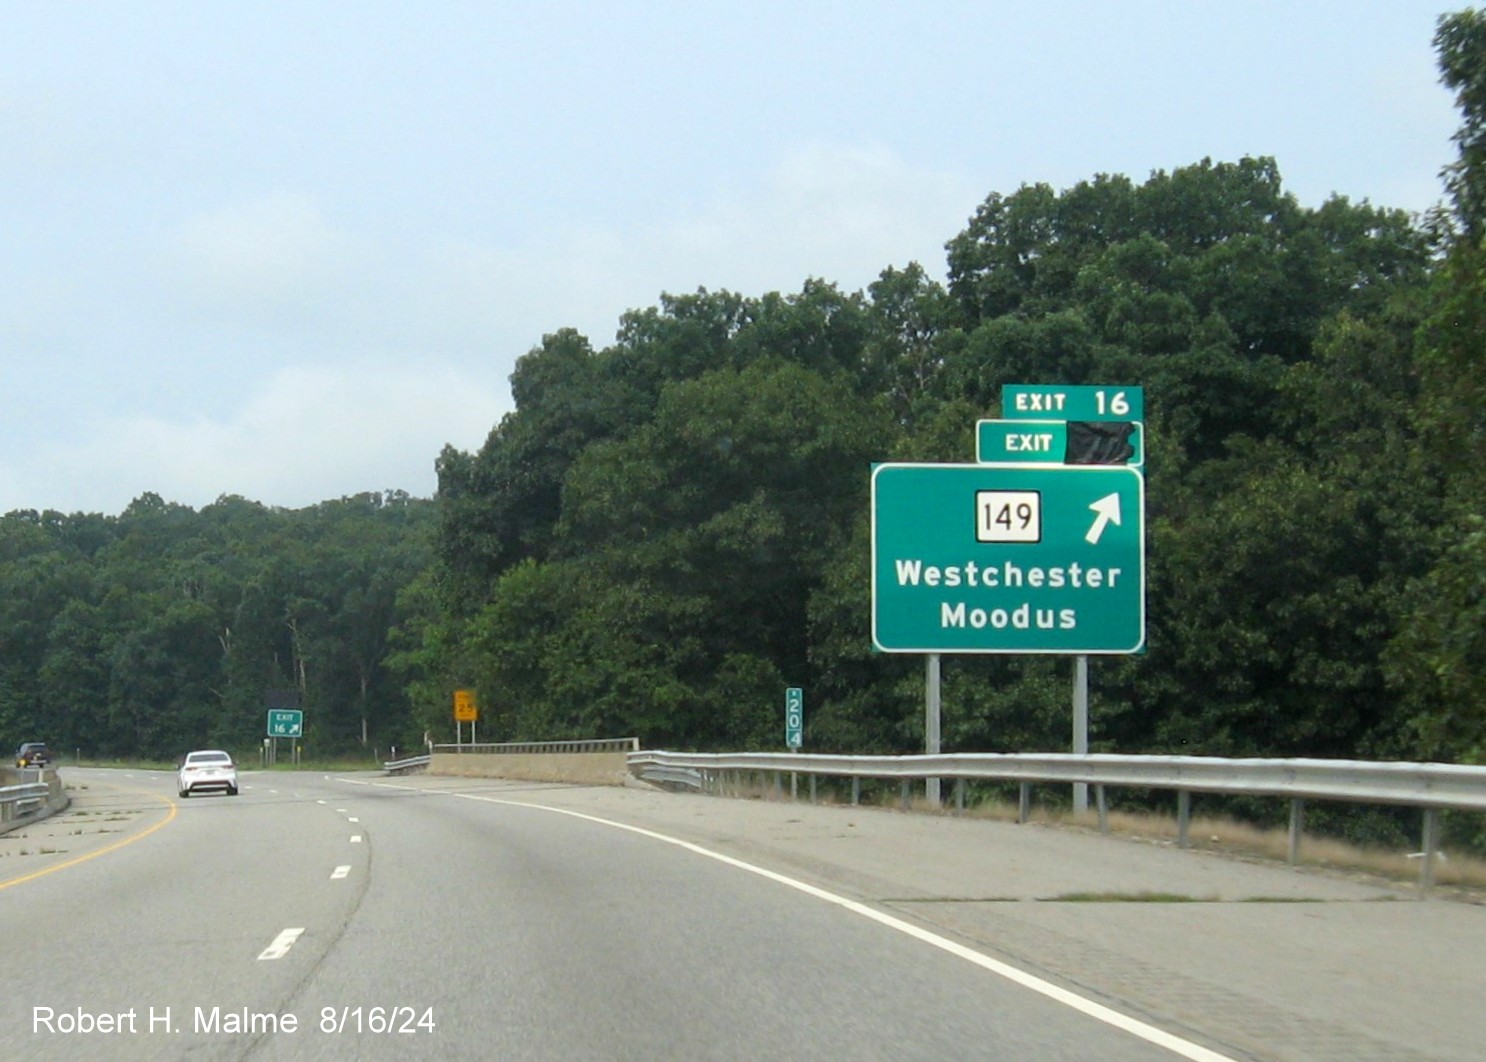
(324, 360)
(270, 261)
(835, 212)
(308, 434)
(838, 213)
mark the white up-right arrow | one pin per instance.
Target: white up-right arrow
(1107, 510)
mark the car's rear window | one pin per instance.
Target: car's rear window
(208, 757)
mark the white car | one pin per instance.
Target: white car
(208, 769)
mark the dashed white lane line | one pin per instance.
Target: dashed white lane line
(340, 872)
(355, 838)
(281, 944)
(353, 818)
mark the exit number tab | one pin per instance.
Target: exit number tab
(1072, 402)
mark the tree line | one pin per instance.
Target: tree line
(669, 530)
(164, 628)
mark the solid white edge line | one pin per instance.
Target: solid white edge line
(1098, 1011)
(281, 944)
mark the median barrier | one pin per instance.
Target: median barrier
(600, 762)
(28, 796)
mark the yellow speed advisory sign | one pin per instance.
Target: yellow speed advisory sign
(465, 709)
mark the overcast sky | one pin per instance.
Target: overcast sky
(289, 250)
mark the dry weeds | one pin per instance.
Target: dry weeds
(1452, 869)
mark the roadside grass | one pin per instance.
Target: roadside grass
(1125, 897)
(1204, 833)
(244, 763)
(1165, 897)
(312, 764)
(120, 764)
(1228, 836)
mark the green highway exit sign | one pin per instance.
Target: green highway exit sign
(285, 722)
(1072, 402)
(1045, 442)
(1000, 558)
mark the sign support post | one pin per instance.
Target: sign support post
(1080, 727)
(931, 725)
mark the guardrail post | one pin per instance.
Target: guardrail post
(959, 796)
(856, 790)
(1297, 823)
(1024, 804)
(778, 785)
(906, 794)
(1103, 807)
(794, 786)
(1431, 842)
(812, 788)
(1183, 816)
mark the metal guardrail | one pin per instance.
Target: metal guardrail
(418, 763)
(17, 801)
(412, 763)
(627, 744)
(1431, 786)
(689, 777)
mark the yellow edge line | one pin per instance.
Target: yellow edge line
(170, 804)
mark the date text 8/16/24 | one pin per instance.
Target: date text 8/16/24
(406, 1020)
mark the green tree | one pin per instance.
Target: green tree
(1460, 42)
(1438, 659)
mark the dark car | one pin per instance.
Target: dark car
(33, 754)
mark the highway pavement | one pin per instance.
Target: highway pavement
(358, 916)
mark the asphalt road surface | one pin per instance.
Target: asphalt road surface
(355, 916)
